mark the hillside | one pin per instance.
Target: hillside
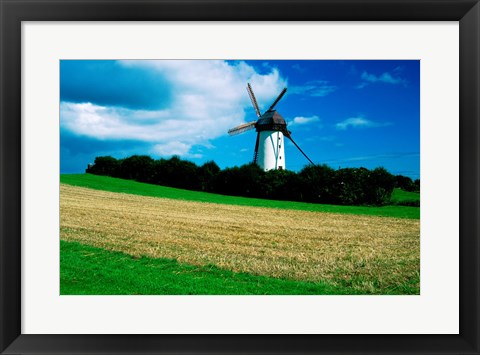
(132, 187)
(338, 253)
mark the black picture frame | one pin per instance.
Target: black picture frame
(13, 12)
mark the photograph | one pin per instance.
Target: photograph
(239, 177)
(242, 177)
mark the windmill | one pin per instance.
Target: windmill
(271, 129)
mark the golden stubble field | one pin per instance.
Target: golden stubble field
(372, 252)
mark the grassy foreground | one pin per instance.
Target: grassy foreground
(399, 195)
(137, 188)
(366, 254)
(86, 270)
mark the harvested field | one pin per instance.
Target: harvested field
(366, 253)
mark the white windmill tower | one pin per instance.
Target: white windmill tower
(271, 129)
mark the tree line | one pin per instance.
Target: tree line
(314, 183)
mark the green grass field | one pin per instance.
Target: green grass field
(137, 188)
(399, 195)
(86, 270)
(89, 270)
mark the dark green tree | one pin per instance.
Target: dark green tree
(417, 185)
(404, 183)
(240, 181)
(207, 174)
(105, 165)
(351, 186)
(381, 187)
(176, 172)
(316, 184)
(280, 185)
(137, 167)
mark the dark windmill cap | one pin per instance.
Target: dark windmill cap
(271, 121)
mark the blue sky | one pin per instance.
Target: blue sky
(343, 113)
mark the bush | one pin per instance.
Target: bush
(317, 184)
(407, 184)
(240, 181)
(104, 166)
(176, 172)
(280, 185)
(207, 174)
(136, 167)
(381, 187)
(314, 183)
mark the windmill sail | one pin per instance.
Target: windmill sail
(255, 153)
(271, 129)
(253, 99)
(296, 145)
(242, 128)
(278, 99)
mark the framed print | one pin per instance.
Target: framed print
(134, 219)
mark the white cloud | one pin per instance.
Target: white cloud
(359, 122)
(175, 148)
(316, 88)
(386, 78)
(300, 120)
(103, 122)
(208, 98)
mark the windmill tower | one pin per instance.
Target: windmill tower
(271, 130)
